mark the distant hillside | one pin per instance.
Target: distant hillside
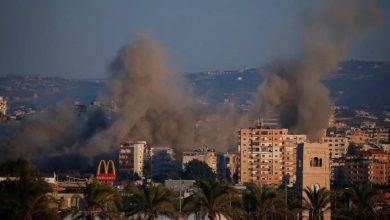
(355, 83)
(361, 83)
(44, 91)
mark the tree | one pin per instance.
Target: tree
(213, 199)
(363, 201)
(25, 195)
(317, 201)
(199, 171)
(102, 200)
(150, 201)
(263, 202)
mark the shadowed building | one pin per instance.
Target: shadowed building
(163, 161)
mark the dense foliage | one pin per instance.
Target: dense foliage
(26, 195)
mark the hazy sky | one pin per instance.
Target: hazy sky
(78, 38)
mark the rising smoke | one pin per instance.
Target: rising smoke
(293, 89)
(156, 104)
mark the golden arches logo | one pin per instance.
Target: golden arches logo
(106, 167)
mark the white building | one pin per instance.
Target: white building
(132, 156)
(3, 105)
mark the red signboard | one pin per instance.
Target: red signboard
(106, 177)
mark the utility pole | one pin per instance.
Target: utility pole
(180, 195)
(285, 201)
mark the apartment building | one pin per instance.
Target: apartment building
(132, 156)
(367, 167)
(261, 156)
(289, 156)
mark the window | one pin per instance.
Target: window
(316, 162)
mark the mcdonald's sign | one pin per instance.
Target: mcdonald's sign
(107, 176)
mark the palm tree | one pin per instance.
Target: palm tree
(102, 200)
(317, 201)
(151, 201)
(25, 195)
(363, 201)
(213, 199)
(263, 202)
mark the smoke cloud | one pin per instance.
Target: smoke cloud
(156, 104)
(293, 89)
(153, 103)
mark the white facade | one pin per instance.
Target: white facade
(132, 155)
(3, 105)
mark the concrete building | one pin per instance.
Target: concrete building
(204, 154)
(338, 147)
(227, 166)
(132, 156)
(163, 161)
(375, 134)
(313, 169)
(261, 155)
(289, 156)
(367, 167)
(3, 106)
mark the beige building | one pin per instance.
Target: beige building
(261, 156)
(3, 105)
(204, 154)
(313, 169)
(132, 155)
(369, 135)
(289, 156)
(337, 146)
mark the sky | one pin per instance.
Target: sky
(79, 38)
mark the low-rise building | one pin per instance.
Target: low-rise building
(204, 154)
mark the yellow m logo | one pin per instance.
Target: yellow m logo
(106, 167)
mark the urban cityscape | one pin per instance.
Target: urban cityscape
(306, 137)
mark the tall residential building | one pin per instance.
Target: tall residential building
(132, 156)
(3, 105)
(289, 156)
(261, 156)
(338, 147)
(204, 154)
(163, 161)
